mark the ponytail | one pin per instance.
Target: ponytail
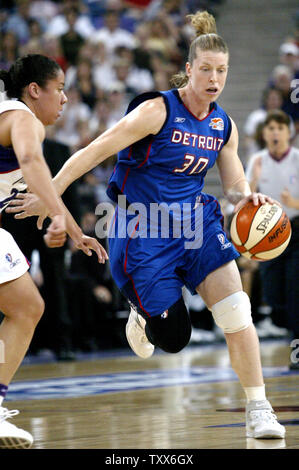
(206, 39)
(30, 68)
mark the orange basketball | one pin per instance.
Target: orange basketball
(260, 232)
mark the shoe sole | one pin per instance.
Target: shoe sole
(14, 443)
(132, 346)
(266, 435)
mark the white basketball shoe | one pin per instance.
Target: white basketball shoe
(137, 339)
(261, 422)
(12, 437)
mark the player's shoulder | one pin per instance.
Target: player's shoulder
(14, 105)
(151, 99)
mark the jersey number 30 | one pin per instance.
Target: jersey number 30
(189, 162)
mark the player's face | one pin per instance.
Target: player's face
(207, 74)
(51, 100)
(276, 133)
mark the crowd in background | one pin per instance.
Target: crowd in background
(110, 51)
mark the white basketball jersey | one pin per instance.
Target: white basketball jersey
(11, 179)
(277, 176)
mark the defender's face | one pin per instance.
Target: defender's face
(207, 75)
(51, 100)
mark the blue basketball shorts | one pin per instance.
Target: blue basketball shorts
(150, 272)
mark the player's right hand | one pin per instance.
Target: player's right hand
(56, 233)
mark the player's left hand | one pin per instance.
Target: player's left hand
(27, 205)
(88, 244)
(256, 198)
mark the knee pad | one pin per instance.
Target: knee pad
(233, 313)
(170, 331)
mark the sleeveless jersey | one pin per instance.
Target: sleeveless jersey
(278, 175)
(170, 166)
(11, 179)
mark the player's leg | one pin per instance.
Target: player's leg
(231, 310)
(22, 307)
(169, 330)
(243, 345)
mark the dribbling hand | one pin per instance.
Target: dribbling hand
(256, 198)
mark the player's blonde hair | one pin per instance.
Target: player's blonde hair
(206, 39)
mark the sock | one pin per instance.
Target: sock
(255, 393)
(3, 391)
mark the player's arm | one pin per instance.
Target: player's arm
(27, 134)
(235, 185)
(146, 119)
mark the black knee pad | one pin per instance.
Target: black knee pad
(171, 331)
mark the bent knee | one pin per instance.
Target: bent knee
(172, 332)
(233, 314)
(175, 343)
(30, 313)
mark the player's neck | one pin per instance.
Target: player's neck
(198, 108)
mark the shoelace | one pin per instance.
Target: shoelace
(6, 414)
(263, 415)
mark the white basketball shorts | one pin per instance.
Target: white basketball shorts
(13, 263)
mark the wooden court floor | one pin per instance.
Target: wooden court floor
(190, 400)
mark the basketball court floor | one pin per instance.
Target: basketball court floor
(115, 400)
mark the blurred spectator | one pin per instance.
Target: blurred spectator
(71, 41)
(18, 22)
(100, 119)
(34, 45)
(282, 77)
(59, 24)
(9, 50)
(91, 296)
(135, 78)
(272, 99)
(74, 112)
(85, 83)
(112, 35)
(43, 10)
(289, 56)
(275, 171)
(52, 48)
(162, 39)
(87, 192)
(102, 66)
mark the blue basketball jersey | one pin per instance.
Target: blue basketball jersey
(171, 166)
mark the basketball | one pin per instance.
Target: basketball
(260, 232)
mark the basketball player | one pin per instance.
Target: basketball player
(166, 143)
(275, 170)
(38, 83)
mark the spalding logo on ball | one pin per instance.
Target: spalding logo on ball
(260, 232)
